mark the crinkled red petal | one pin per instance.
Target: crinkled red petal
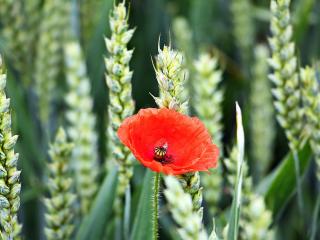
(189, 144)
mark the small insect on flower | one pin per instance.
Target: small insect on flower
(167, 141)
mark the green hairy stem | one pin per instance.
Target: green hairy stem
(155, 206)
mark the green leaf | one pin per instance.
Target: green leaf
(167, 224)
(142, 226)
(280, 185)
(28, 137)
(302, 17)
(127, 211)
(233, 223)
(94, 225)
(95, 52)
(314, 225)
(96, 48)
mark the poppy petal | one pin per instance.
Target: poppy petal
(188, 145)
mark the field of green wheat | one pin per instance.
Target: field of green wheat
(159, 119)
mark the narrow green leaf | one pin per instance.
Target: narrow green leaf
(302, 16)
(233, 224)
(94, 225)
(142, 228)
(168, 224)
(110, 229)
(95, 53)
(96, 48)
(127, 211)
(32, 193)
(314, 225)
(279, 186)
(24, 123)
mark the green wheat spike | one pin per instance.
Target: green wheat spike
(255, 218)
(183, 37)
(208, 105)
(181, 207)
(286, 91)
(10, 186)
(262, 113)
(15, 36)
(311, 108)
(59, 205)
(19, 21)
(243, 27)
(49, 59)
(82, 124)
(121, 105)
(170, 75)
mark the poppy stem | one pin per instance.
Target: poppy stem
(155, 206)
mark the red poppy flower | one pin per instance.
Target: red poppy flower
(169, 142)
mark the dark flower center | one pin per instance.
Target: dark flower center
(160, 154)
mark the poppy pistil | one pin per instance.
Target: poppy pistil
(160, 154)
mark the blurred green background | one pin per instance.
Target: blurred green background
(212, 24)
